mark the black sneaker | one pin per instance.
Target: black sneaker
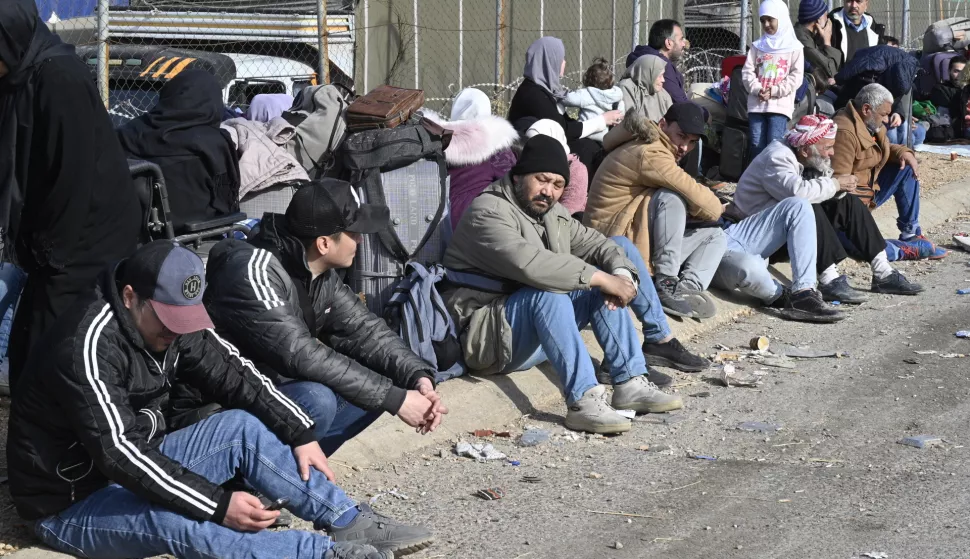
(896, 284)
(673, 354)
(700, 302)
(840, 290)
(658, 378)
(672, 303)
(806, 306)
(382, 532)
(354, 551)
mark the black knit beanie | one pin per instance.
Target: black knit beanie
(542, 154)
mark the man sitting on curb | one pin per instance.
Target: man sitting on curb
(278, 298)
(800, 166)
(640, 192)
(93, 464)
(526, 277)
(638, 156)
(883, 170)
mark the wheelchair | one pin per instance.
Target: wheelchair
(200, 236)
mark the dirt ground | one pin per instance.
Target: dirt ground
(831, 483)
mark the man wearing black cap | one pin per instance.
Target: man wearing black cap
(526, 278)
(95, 464)
(642, 193)
(279, 299)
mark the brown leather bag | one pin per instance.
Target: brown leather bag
(384, 107)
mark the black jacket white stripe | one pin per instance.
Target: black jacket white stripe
(93, 407)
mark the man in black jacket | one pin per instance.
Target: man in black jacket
(92, 463)
(853, 29)
(279, 299)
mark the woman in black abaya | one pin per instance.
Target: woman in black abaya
(67, 205)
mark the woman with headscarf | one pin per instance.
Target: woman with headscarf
(643, 87)
(267, 106)
(577, 187)
(67, 204)
(480, 150)
(540, 97)
(772, 73)
(181, 134)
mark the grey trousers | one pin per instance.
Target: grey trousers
(678, 251)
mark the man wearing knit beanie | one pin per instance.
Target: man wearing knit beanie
(814, 31)
(524, 278)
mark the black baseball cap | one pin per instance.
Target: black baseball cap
(172, 277)
(328, 206)
(688, 115)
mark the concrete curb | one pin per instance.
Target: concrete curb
(494, 401)
(491, 402)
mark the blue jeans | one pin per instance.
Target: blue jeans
(764, 128)
(115, 523)
(336, 420)
(546, 325)
(897, 135)
(902, 185)
(755, 238)
(12, 281)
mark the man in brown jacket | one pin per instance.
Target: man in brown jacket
(639, 192)
(525, 278)
(883, 170)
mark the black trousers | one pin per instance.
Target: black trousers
(589, 152)
(850, 216)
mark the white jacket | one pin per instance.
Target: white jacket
(775, 175)
(592, 102)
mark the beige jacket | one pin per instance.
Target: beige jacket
(641, 160)
(859, 153)
(496, 238)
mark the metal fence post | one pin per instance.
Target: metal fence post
(461, 43)
(542, 18)
(636, 24)
(322, 30)
(581, 63)
(103, 51)
(416, 43)
(745, 9)
(905, 23)
(613, 34)
(498, 41)
(366, 44)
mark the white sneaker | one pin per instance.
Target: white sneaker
(642, 396)
(593, 414)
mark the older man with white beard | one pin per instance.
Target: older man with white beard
(800, 166)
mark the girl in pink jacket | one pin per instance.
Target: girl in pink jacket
(772, 74)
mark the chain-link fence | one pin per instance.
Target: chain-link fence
(441, 46)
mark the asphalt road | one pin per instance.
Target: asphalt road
(832, 483)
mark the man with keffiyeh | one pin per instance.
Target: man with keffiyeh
(800, 166)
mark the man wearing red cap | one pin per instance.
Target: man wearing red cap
(800, 166)
(95, 468)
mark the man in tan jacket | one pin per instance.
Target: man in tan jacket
(525, 278)
(640, 192)
(883, 170)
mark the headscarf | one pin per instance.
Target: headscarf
(809, 130)
(638, 88)
(784, 39)
(25, 44)
(470, 104)
(551, 128)
(267, 106)
(543, 61)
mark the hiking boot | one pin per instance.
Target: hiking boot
(700, 301)
(642, 396)
(840, 290)
(382, 532)
(353, 551)
(593, 414)
(896, 284)
(672, 303)
(673, 354)
(806, 306)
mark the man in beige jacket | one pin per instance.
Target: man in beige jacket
(525, 278)
(640, 192)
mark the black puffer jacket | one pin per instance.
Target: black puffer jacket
(96, 411)
(253, 301)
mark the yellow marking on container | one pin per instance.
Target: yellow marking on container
(150, 66)
(179, 67)
(164, 67)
